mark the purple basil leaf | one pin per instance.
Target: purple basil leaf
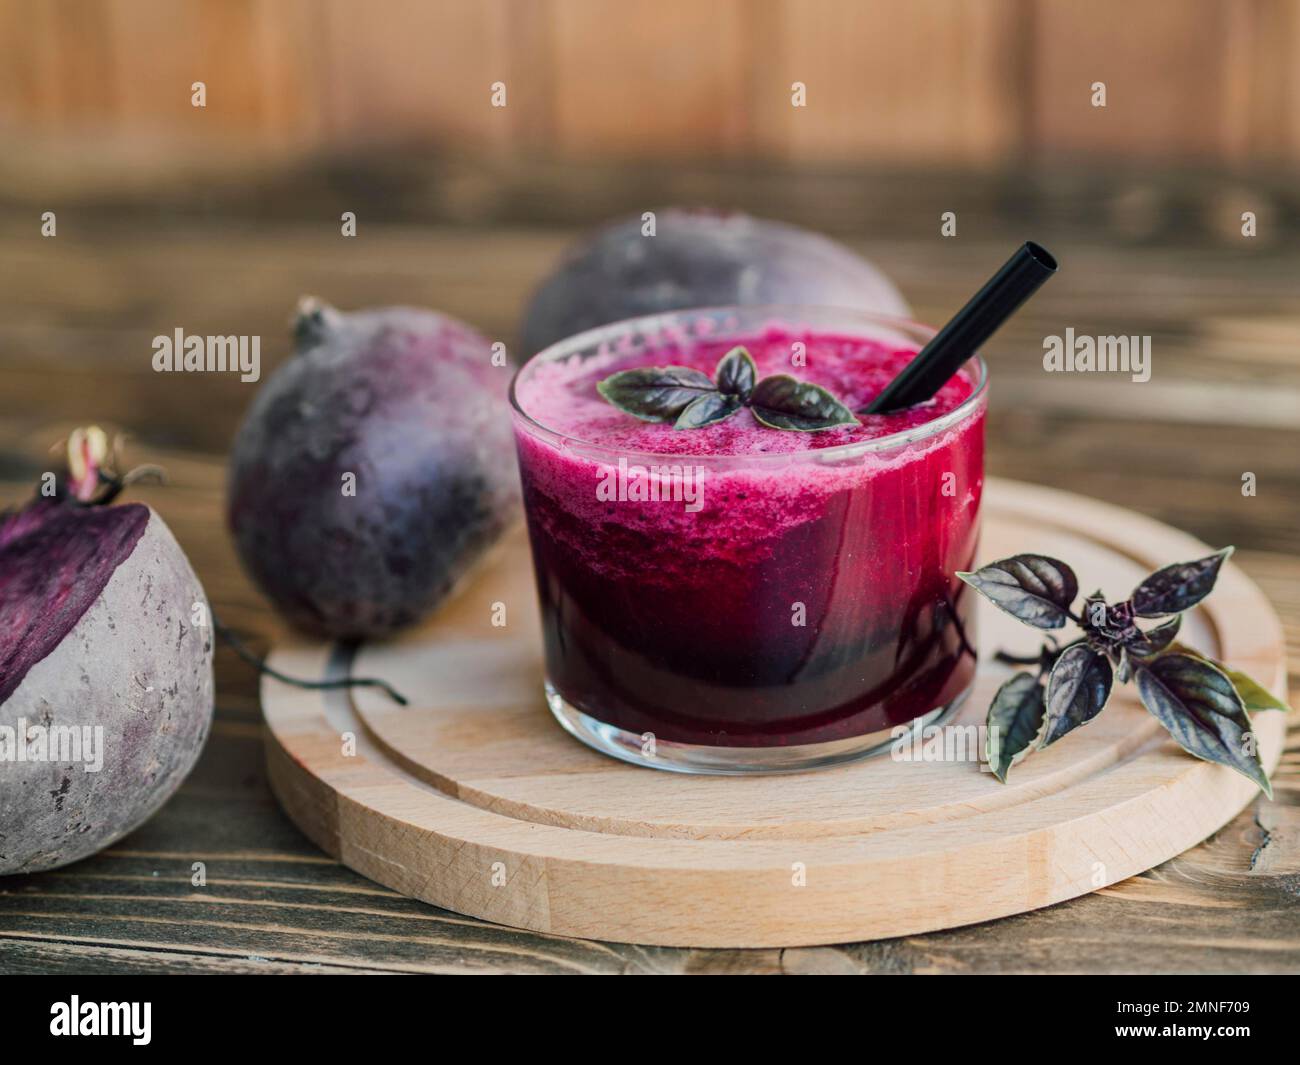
(1253, 694)
(1077, 689)
(655, 393)
(1200, 707)
(1155, 640)
(1015, 718)
(781, 402)
(1112, 623)
(1034, 588)
(1178, 587)
(706, 410)
(736, 374)
(1124, 672)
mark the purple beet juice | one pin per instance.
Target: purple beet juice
(738, 597)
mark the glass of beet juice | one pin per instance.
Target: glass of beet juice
(737, 598)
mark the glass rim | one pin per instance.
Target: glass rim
(602, 334)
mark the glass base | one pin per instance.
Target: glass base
(728, 761)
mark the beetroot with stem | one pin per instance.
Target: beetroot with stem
(105, 656)
(699, 258)
(373, 469)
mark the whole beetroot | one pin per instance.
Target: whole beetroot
(373, 469)
(106, 690)
(699, 258)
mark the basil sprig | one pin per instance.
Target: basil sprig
(691, 400)
(1205, 705)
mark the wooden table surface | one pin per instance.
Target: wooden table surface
(220, 252)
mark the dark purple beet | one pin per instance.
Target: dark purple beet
(97, 629)
(409, 402)
(57, 559)
(699, 258)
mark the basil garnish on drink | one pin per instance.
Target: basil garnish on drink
(690, 399)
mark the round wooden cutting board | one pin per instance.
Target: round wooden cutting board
(474, 799)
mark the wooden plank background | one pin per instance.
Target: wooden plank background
(889, 82)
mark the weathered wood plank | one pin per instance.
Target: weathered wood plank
(416, 72)
(866, 98)
(607, 61)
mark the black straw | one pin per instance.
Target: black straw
(1019, 278)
